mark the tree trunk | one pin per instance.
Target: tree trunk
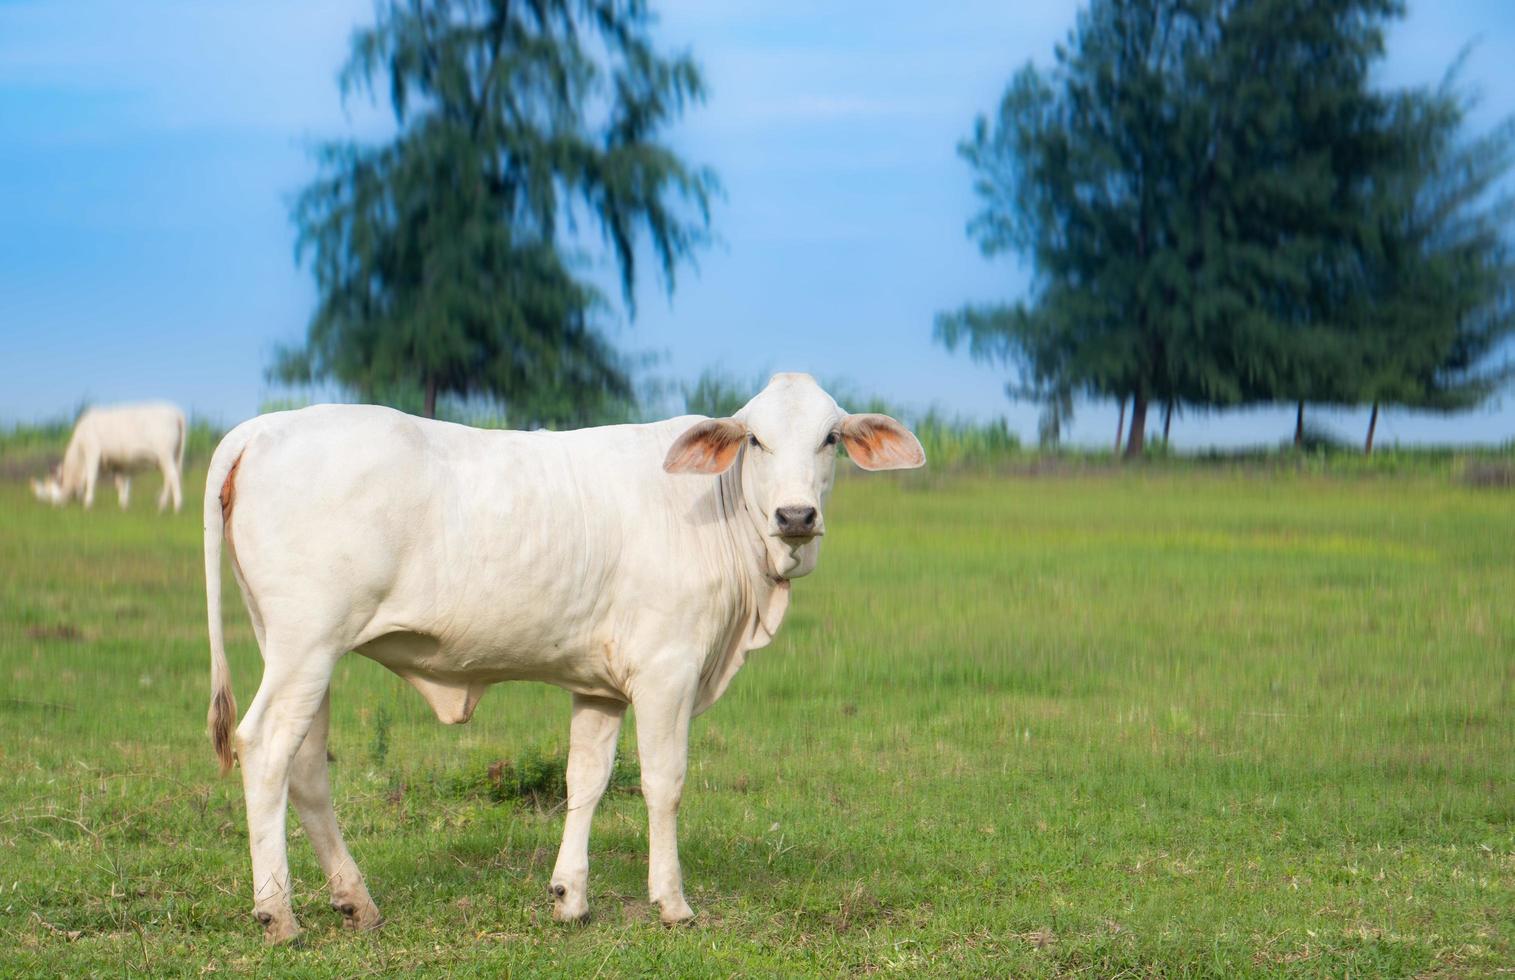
(431, 397)
(1299, 426)
(1167, 421)
(1120, 424)
(1137, 434)
(1367, 448)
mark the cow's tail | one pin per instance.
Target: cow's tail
(220, 495)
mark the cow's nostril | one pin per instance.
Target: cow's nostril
(796, 518)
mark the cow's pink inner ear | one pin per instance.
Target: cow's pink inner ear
(708, 447)
(878, 442)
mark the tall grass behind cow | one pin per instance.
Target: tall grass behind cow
(633, 565)
(115, 441)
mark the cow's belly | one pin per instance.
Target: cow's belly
(452, 675)
(126, 461)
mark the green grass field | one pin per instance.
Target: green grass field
(1177, 721)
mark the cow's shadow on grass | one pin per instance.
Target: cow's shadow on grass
(504, 861)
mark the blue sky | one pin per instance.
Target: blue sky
(148, 150)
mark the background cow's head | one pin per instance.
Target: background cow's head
(50, 490)
(785, 439)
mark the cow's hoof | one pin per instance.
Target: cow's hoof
(675, 913)
(359, 916)
(278, 927)
(568, 909)
(570, 916)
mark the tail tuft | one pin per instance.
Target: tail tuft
(223, 719)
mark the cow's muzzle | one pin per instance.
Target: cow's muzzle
(800, 522)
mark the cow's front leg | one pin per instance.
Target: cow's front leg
(591, 753)
(123, 490)
(91, 474)
(663, 706)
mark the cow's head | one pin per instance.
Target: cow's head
(50, 490)
(785, 439)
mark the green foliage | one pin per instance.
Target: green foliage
(1201, 721)
(538, 778)
(439, 256)
(1218, 209)
(1435, 265)
(952, 444)
(379, 749)
(201, 439)
(1318, 438)
(718, 395)
(36, 437)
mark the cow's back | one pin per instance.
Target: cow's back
(124, 435)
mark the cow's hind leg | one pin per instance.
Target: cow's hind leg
(123, 490)
(171, 491)
(591, 753)
(290, 697)
(310, 790)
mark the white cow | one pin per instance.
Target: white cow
(630, 564)
(114, 441)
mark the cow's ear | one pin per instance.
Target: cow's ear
(708, 447)
(878, 442)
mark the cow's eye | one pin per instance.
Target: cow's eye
(830, 439)
(752, 441)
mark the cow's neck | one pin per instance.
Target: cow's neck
(762, 596)
(71, 473)
(764, 588)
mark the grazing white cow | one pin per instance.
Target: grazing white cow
(114, 441)
(630, 564)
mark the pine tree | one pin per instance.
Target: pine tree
(1436, 273)
(1187, 185)
(440, 256)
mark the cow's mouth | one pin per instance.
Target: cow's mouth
(796, 540)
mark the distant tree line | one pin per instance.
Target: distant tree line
(1219, 209)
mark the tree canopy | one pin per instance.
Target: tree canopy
(1436, 271)
(1219, 209)
(441, 256)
